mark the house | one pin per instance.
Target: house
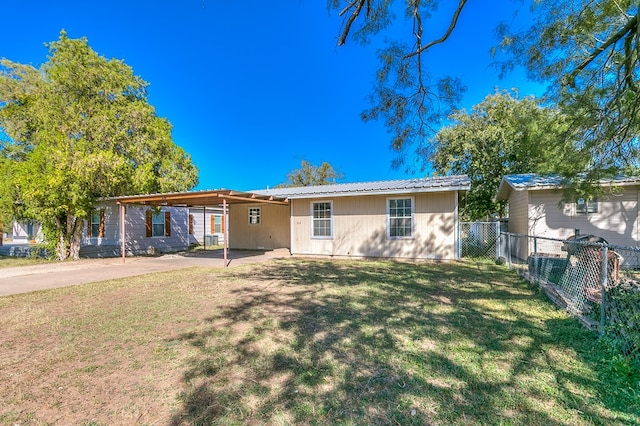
(404, 219)
(22, 232)
(536, 208)
(410, 219)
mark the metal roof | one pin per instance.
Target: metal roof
(534, 181)
(386, 187)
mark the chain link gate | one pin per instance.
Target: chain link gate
(479, 240)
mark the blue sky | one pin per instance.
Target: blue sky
(252, 88)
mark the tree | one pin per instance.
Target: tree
(586, 50)
(308, 175)
(589, 51)
(77, 129)
(501, 135)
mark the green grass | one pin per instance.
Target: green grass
(311, 342)
(12, 261)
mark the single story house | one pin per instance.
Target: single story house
(536, 208)
(410, 219)
(404, 219)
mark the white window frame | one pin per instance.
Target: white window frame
(257, 217)
(413, 218)
(590, 206)
(157, 218)
(313, 220)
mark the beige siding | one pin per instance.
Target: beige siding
(518, 223)
(360, 228)
(616, 220)
(271, 233)
(518, 204)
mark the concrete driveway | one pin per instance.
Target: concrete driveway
(24, 279)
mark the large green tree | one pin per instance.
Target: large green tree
(309, 175)
(587, 52)
(501, 135)
(77, 129)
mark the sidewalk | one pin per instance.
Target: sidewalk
(53, 275)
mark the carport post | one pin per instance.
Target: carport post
(123, 234)
(226, 233)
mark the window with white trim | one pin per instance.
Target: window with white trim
(586, 205)
(321, 219)
(254, 215)
(400, 218)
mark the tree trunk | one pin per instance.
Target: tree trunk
(76, 239)
(69, 238)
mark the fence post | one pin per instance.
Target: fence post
(535, 260)
(497, 227)
(605, 279)
(509, 249)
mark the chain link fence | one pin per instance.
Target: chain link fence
(597, 282)
(479, 239)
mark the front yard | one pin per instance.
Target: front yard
(306, 341)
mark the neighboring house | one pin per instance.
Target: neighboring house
(23, 232)
(206, 225)
(536, 208)
(412, 219)
(148, 230)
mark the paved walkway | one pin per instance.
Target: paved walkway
(24, 279)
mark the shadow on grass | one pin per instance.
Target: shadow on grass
(392, 343)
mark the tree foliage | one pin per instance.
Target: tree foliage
(77, 129)
(309, 175)
(585, 50)
(589, 51)
(501, 135)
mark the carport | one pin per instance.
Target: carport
(200, 199)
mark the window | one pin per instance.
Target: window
(217, 224)
(400, 218)
(254, 215)
(585, 206)
(321, 216)
(158, 224)
(95, 226)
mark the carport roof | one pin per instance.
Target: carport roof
(200, 198)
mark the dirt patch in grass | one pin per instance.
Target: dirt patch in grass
(300, 341)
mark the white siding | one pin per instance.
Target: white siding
(202, 225)
(136, 240)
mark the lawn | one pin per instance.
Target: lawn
(307, 342)
(12, 261)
